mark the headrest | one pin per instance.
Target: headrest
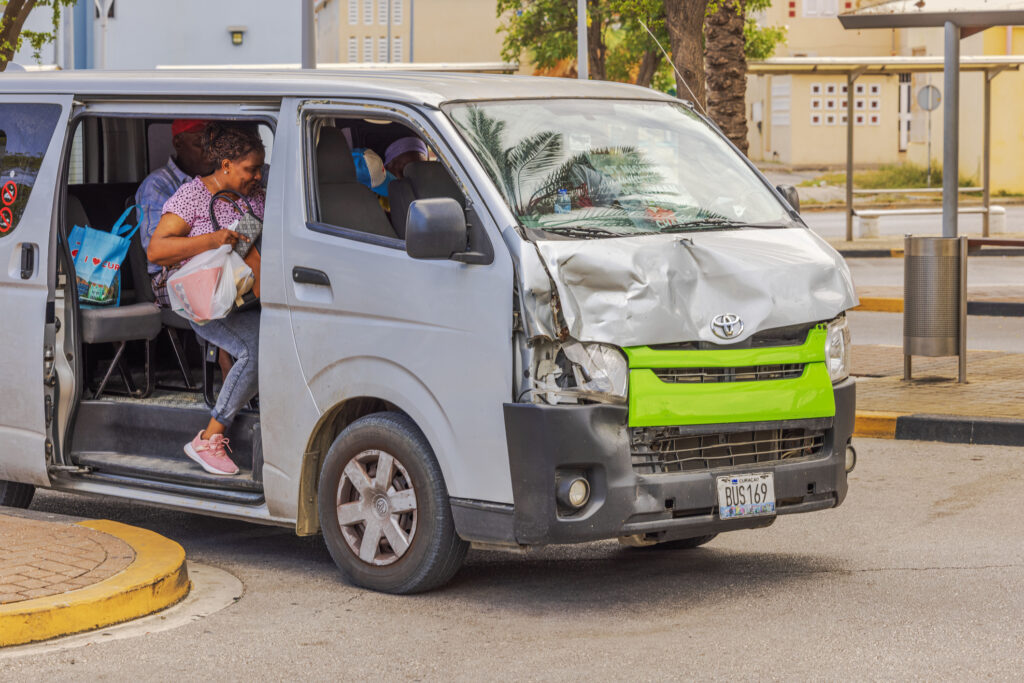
(334, 158)
(431, 179)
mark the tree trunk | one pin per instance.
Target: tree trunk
(726, 64)
(596, 49)
(648, 67)
(684, 20)
(15, 14)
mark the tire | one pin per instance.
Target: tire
(422, 519)
(16, 495)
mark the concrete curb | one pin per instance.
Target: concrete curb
(947, 428)
(156, 579)
(1002, 309)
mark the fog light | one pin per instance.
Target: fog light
(574, 492)
(851, 458)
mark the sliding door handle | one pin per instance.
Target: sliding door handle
(28, 261)
(310, 276)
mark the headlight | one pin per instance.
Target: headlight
(599, 368)
(837, 349)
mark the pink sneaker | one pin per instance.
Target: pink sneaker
(210, 455)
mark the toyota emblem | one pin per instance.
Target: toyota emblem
(727, 326)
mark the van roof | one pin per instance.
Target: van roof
(430, 88)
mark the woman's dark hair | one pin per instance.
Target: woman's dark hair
(230, 141)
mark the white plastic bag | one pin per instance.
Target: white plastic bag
(205, 288)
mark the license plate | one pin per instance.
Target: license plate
(746, 495)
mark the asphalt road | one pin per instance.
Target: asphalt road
(917, 576)
(984, 333)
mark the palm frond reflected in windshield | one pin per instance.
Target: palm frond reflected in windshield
(617, 167)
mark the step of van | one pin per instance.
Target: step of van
(140, 444)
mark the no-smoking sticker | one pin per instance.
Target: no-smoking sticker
(6, 220)
(9, 192)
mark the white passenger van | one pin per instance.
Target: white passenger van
(586, 316)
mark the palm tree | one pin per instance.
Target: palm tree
(726, 70)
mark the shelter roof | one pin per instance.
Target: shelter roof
(967, 14)
(868, 66)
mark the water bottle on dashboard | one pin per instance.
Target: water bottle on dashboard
(562, 202)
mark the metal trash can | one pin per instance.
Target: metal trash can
(935, 300)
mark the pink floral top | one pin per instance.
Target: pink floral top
(192, 203)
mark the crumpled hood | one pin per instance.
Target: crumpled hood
(658, 289)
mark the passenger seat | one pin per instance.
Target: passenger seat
(344, 201)
(423, 180)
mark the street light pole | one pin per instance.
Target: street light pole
(103, 7)
(308, 36)
(582, 64)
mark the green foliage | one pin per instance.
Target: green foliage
(36, 39)
(891, 176)
(546, 31)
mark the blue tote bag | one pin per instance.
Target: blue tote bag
(98, 257)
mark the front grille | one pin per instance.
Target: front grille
(753, 373)
(791, 335)
(661, 450)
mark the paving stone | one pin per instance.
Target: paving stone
(42, 558)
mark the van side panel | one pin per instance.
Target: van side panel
(432, 337)
(24, 294)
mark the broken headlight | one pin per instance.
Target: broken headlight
(837, 349)
(575, 372)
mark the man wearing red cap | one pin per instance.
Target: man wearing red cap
(188, 161)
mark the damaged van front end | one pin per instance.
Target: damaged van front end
(657, 406)
(682, 346)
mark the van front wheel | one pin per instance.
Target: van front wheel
(16, 495)
(384, 508)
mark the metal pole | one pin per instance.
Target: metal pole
(308, 36)
(582, 63)
(103, 7)
(951, 133)
(962, 343)
(850, 78)
(986, 166)
(389, 30)
(412, 26)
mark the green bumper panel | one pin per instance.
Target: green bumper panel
(654, 403)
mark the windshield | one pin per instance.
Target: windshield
(603, 168)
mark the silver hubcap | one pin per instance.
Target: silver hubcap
(376, 507)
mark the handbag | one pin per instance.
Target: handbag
(248, 223)
(98, 256)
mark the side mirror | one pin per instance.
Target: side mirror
(435, 229)
(789, 192)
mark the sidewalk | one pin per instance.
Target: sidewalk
(60, 575)
(933, 406)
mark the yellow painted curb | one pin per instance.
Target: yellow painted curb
(156, 579)
(881, 304)
(896, 253)
(875, 425)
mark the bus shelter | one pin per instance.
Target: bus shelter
(855, 67)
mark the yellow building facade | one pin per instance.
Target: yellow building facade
(800, 119)
(395, 31)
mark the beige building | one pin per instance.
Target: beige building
(801, 119)
(390, 31)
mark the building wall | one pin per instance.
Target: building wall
(420, 30)
(142, 35)
(812, 30)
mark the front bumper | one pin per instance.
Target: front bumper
(546, 442)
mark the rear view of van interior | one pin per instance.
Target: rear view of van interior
(145, 381)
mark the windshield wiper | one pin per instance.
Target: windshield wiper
(714, 222)
(579, 231)
(700, 223)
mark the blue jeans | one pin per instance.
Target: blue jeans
(239, 335)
